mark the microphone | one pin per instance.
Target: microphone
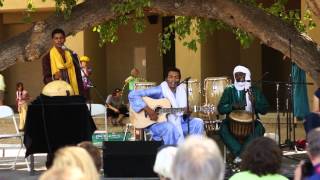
(185, 80)
(66, 48)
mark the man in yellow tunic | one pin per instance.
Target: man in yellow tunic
(62, 64)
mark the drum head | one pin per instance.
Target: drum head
(241, 116)
(57, 88)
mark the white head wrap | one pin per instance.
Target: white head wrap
(243, 85)
(164, 161)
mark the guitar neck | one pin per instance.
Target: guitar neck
(171, 110)
(177, 110)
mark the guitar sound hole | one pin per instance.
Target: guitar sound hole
(157, 110)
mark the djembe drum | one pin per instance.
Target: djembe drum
(58, 88)
(240, 124)
(214, 87)
(194, 94)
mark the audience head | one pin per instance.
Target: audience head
(71, 173)
(94, 153)
(163, 163)
(261, 157)
(76, 157)
(313, 146)
(198, 158)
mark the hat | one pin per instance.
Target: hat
(164, 161)
(84, 59)
(117, 90)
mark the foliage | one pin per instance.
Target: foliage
(127, 10)
(183, 27)
(28, 12)
(65, 7)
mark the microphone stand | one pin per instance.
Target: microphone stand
(187, 95)
(253, 101)
(92, 86)
(278, 112)
(188, 111)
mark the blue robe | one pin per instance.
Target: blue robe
(164, 131)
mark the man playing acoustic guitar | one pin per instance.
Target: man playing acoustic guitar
(175, 128)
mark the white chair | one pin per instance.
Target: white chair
(7, 112)
(98, 110)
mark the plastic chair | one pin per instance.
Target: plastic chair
(99, 109)
(7, 112)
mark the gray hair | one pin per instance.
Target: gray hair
(314, 142)
(198, 158)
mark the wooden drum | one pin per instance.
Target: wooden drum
(240, 124)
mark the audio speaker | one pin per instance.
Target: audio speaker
(129, 158)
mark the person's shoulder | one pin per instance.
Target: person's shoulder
(256, 88)
(276, 177)
(229, 87)
(46, 56)
(243, 175)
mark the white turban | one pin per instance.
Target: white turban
(243, 85)
(164, 161)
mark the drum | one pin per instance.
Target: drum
(57, 88)
(240, 124)
(143, 85)
(214, 87)
(194, 88)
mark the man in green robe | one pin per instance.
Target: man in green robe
(237, 97)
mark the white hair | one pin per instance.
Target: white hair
(198, 158)
(164, 160)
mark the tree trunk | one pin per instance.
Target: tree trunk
(272, 31)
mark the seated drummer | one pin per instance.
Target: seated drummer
(235, 97)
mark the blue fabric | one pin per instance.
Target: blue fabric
(312, 121)
(164, 131)
(316, 173)
(300, 96)
(135, 97)
(317, 93)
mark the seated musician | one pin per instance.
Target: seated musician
(236, 97)
(175, 128)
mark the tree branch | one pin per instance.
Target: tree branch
(272, 31)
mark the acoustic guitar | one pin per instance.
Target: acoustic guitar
(162, 107)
